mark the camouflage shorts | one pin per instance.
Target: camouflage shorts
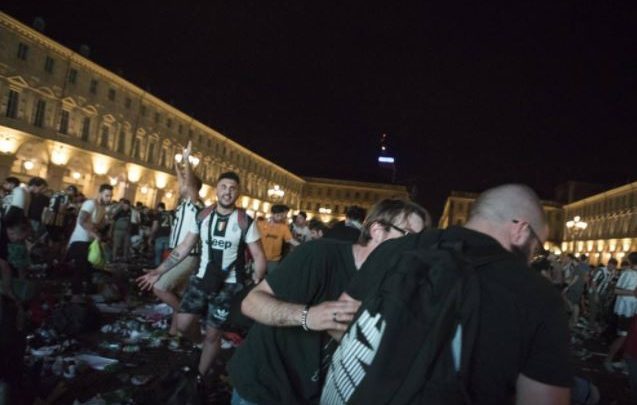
(214, 307)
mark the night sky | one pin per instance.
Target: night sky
(470, 96)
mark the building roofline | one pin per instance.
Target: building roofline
(75, 57)
(607, 193)
(352, 183)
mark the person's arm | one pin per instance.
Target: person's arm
(154, 228)
(177, 255)
(264, 307)
(84, 220)
(531, 392)
(289, 238)
(570, 284)
(256, 251)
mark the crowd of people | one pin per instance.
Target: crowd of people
(342, 312)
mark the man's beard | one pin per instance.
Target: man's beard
(222, 205)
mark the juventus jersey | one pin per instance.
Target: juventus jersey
(185, 221)
(223, 238)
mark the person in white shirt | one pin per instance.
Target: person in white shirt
(625, 307)
(89, 222)
(300, 230)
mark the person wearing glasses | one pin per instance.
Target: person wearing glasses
(521, 353)
(284, 356)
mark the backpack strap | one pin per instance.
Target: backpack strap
(204, 213)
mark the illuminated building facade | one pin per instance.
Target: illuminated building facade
(70, 121)
(608, 222)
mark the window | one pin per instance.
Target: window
(151, 152)
(121, 141)
(64, 122)
(157, 118)
(23, 51)
(48, 64)
(12, 104)
(111, 94)
(38, 117)
(104, 137)
(169, 123)
(142, 110)
(127, 102)
(93, 86)
(86, 128)
(180, 129)
(72, 76)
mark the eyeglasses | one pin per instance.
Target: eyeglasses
(539, 250)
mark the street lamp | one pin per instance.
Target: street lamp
(275, 193)
(576, 225)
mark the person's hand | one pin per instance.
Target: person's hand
(256, 278)
(149, 279)
(332, 315)
(187, 152)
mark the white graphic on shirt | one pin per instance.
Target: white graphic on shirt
(352, 358)
(221, 314)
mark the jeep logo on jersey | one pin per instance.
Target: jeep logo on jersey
(220, 243)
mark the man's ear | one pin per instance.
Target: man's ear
(377, 232)
(518, 233)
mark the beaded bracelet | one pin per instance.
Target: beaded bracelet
(306, 309)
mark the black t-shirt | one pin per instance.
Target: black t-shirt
(287, 365)
(340, 231)
(165, 220)
(523, 324)
(38, 203)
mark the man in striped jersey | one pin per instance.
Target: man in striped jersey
(167, 286)
(225, 233)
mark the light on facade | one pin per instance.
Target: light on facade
(276, 193)
(208, 202)
(323, 210)
(194, 160)
(134, 173)
(112, 181)
(144, 190)
(160, 180)
(101, 165)
(169, 194)
(60, 156)
(203, 192)
(76, 175)
(28, 165)
(7, 145)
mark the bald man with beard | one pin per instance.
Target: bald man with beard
(521, 350)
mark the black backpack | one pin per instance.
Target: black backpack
(398, 349)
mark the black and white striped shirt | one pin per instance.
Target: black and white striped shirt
(185, 221)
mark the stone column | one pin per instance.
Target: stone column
(6, 161)
(159, 196)
(130, 192)
(55, 176)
